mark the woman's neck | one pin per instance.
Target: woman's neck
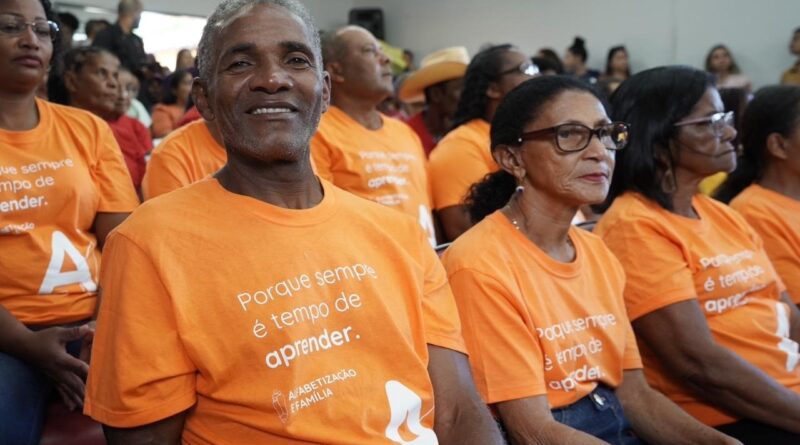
(544, 221)
(781, 180)
(686, 186)
(18, 113)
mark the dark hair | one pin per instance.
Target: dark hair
(547, 64)
(482, 70)
(735, 99)
(651, 102)
(734, 66)
(172, 84)
(93, 24)
(551, 55)
(67, 19)
(774, 109)
(522, 105)
(611, 53)
(578, 48)
(51, 15)
(74, 60)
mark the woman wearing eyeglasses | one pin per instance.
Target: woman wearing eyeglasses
(765, 187)
(463, 157)
(63, 187)
(716, 329)
(540, 301)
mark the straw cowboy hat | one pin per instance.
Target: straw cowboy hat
(439, 66)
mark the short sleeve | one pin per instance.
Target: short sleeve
(653, 281)
(136, 324)
(440, 315)
(507, 361)
(111, 176)
(162, 122)
(745, 224)
(455, 165)
(164, 174)
(321, 157)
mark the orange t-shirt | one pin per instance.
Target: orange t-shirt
(54, 179)
(165, 119)
(717, 260)
(278, 326)
(777, 219)
(537, 326)
(186, 156)
(387, 165)
(462, 158)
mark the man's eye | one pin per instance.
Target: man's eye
(299, 61)
(238, 64)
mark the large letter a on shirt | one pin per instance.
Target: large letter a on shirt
(405, 407)
(54, 277)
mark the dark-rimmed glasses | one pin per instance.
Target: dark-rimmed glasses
(11, 25)
(571, 138)
(718, 122)
(527, 68)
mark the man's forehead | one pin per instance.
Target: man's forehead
(268, 16)
(355, 36)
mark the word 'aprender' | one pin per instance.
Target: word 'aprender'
(288, 287)
(306, 346)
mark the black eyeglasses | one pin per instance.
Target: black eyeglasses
(11, 25)
(527, 68)
(572, 138)
(718, 122)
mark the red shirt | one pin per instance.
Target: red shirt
(417, 122)
(134, 140)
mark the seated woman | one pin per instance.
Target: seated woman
(716, 329)
(541, 306)
(63, 187)
(176, 99)
(765, 187)
(720, 63)
(463, 157)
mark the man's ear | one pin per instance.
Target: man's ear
(326, 91)
(335, 71)
(776, 146)
(200, 97)
(509, 159)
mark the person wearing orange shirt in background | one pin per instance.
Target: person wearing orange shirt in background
(717, 331)
(549, 341)
(360, 149)
(187, 155)
(330, 319)
(63, 188)
(438, 83)
(91, 80)
(765, 187)
(463, 157)
(792, 75)
(167, 114)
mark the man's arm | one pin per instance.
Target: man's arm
(455, 221)
(657, 420)
(163, 432)
(794, 317)
(679, 334)
(529, 421)
(461, 417)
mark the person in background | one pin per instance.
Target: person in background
(92, 27)
(617, 64)
(575, 62)
(408, 59)
(463, 157)
(765, 187)
(357, 147)
(120, 39)
(547, 67)
(552, 55)
(721, 64)
(549, 341)
(792, 75)
(439, 81)
(184, 61)
(91, 78)
(130, 83)
(163, 372)
(70, 190)
(695, 269)
(68, 24)
(176, 99)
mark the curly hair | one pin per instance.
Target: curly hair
(482, 70)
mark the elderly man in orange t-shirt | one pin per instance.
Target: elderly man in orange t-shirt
(265, 304)
(356, 147)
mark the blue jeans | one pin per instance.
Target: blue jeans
(600, 415)
(24, 394)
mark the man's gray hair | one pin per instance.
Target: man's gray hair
(230, 10)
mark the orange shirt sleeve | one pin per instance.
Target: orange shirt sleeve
(162, 383)
(163, 122)
(164, 174)
(111, 176)
(321, 157)
(653, 280)
(507, 361)
(455, 165)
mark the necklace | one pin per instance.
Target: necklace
(519, 229)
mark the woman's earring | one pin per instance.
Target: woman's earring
(520, 188)
(668, 183)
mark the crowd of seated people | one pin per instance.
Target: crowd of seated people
(281, 283)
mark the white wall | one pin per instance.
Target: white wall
(656, 32)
